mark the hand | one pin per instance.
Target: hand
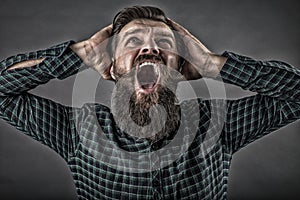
(199, 61)
(93, 52)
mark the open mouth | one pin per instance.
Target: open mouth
(147, 76)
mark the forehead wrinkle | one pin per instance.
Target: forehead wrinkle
(159, 31)
(144, 24)
(134, 30)
(164, 33)
(162, 28)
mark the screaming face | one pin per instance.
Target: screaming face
(145, 70)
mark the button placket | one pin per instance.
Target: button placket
(156, 172)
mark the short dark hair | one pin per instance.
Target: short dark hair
(137, 12)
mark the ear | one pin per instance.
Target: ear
(111, 71)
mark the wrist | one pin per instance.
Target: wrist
(79, 49)
(214, 66)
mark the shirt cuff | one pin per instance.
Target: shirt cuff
(61, 61)
(237, 70)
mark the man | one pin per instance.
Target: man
(156, 146)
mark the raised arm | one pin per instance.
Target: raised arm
(26, 71)
(277, 84)
(276, 104)
(40, 118)
(43, 119)
(23, 72)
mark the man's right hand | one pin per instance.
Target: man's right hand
(93, 52)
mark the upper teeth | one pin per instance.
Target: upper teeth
(149, 63)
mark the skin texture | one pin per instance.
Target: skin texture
(28, 63)
(93, 52)
(145, 37)
(200, 62)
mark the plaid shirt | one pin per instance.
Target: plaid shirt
(200, 172)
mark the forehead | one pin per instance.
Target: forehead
(146, 25)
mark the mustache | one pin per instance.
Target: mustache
(151, 57)
(138, 60)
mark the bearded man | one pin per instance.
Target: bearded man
(149, 144)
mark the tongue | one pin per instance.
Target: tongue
(147, 77)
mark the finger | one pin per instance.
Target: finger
(185, 34)
(107, 30)
(103, 34)
(189, 40)
(180, 29)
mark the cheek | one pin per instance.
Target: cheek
(172, 61)
(124, 62)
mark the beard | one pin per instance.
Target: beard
(157, 113)
(153, 115)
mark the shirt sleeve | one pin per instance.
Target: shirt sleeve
(60, 62)
(40, 118)
(276, 104)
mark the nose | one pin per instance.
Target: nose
(150, 50)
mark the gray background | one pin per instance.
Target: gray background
(266, 169)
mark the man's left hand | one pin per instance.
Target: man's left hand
(199, 61)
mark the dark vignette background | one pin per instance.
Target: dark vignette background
(266, 169)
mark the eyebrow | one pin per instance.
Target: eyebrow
(131, 32)
(141, 30)
(165, 34)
